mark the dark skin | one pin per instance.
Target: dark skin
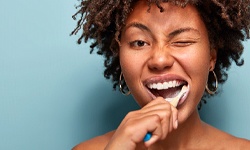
(220, 140)
(227, 22)
(156, 114)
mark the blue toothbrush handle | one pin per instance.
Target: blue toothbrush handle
(147, 137)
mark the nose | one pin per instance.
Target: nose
(160, 59)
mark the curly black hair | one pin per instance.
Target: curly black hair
(227, 22)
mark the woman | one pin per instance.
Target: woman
(158, 48)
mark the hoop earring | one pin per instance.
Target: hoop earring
(216, 85)
(121, 88)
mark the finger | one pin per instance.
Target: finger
(158, 103)
(158, 100)
(150, 142)
(136, 128)
(165, 122)
(166, 119)
(175, 117)
(155, 129)
(170, 122)
(164, 110)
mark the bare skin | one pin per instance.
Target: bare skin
(212, 138)
(156, 47)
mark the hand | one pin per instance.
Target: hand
(158, 117)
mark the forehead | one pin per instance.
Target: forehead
(171, 16)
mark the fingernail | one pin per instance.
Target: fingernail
(176, 124)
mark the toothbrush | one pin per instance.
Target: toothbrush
(173, 101)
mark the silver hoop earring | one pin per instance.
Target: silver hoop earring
(121, 88)
(216, 85)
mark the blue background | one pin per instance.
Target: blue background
(52, 91)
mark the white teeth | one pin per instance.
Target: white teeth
(159, 86)
(154, 86)
(164, 85)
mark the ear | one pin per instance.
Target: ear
(213, 58)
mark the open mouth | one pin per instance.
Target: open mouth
(168, 90)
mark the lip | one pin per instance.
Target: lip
(165, 78)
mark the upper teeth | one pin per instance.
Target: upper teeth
(164, 85)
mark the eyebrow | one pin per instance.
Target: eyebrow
(170, 35)
(137, 25)
(181, 30)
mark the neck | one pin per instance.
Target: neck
(188, 134)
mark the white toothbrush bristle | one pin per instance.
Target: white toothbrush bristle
(174, 101)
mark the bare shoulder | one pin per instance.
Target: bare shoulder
(98, 142)
(224, 140)
(235, 143)
(240, 143)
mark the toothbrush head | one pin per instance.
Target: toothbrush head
(174, 101)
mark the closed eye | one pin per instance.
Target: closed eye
(182, 43)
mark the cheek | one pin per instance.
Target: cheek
(131, 65)
(197, 59)
(197, 65)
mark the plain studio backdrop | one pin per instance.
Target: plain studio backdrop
(52, 91)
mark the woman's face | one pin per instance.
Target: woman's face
(161, 52)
